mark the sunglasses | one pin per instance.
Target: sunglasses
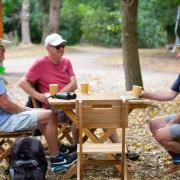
(60, 46)
(2, 48)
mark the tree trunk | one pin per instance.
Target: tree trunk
(25, 23)
(1, 20)
(54, 16)
(131, 63)
(170, 34)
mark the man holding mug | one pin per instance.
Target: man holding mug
(166, 130)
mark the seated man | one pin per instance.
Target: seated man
(16, 118)
(166, 130)
(53, 68)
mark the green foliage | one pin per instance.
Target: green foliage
(165, 11)
(98, 28)
(12, 18)
(70, 19)
(11, 15)
(37, 20)
(157, 19)
(90, 21)
(95, 21)
(151, 32)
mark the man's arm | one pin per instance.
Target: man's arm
(24, 84)
(9, 106)
(160, 96)
(71, 86)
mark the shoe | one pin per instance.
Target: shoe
(132, 155)
(36, 132)
(67, 149)
(175, 158)
(63, 161)
(58, 169)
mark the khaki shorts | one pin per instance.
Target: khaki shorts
(21, 121)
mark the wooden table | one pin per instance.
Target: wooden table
(69, 106)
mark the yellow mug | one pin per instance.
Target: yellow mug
(53, 89)
(136, 91)
(84, 87)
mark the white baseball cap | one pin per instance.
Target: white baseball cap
(54, 39)
(4, 42)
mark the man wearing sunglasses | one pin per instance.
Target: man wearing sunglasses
(53, 68)
(14, 117)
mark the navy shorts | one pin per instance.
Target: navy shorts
(62, 117)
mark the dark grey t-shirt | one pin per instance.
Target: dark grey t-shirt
(176, 84)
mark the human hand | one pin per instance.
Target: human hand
(142, 94)
(28, 109)
(178, 56)
(41, 97)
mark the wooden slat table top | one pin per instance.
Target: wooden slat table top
(61, 103)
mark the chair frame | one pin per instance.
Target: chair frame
(98, 114)
(64, 128)
(7, 141)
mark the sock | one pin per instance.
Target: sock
(175, 157)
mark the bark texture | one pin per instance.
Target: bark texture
(131, 62)
(25, 23)
(54, 12)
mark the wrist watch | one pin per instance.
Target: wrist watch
(26, 108)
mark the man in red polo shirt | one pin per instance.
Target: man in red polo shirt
(53, 68)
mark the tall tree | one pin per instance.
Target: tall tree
(54, 16)
(131, 62)
(25, 23)
(1, 20)
(45, 9)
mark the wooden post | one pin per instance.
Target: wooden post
(1, 20)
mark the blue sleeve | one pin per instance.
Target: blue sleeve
(2, 87)
(176, 84)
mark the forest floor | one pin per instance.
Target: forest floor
(103, 69)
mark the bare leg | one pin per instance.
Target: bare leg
(156, 124)
(160, 130)
(114, 137)
(164, 138)
(75, 134)
(47, 124)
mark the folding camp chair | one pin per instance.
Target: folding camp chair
(64, 129)
(109, 114)
(8, 139)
